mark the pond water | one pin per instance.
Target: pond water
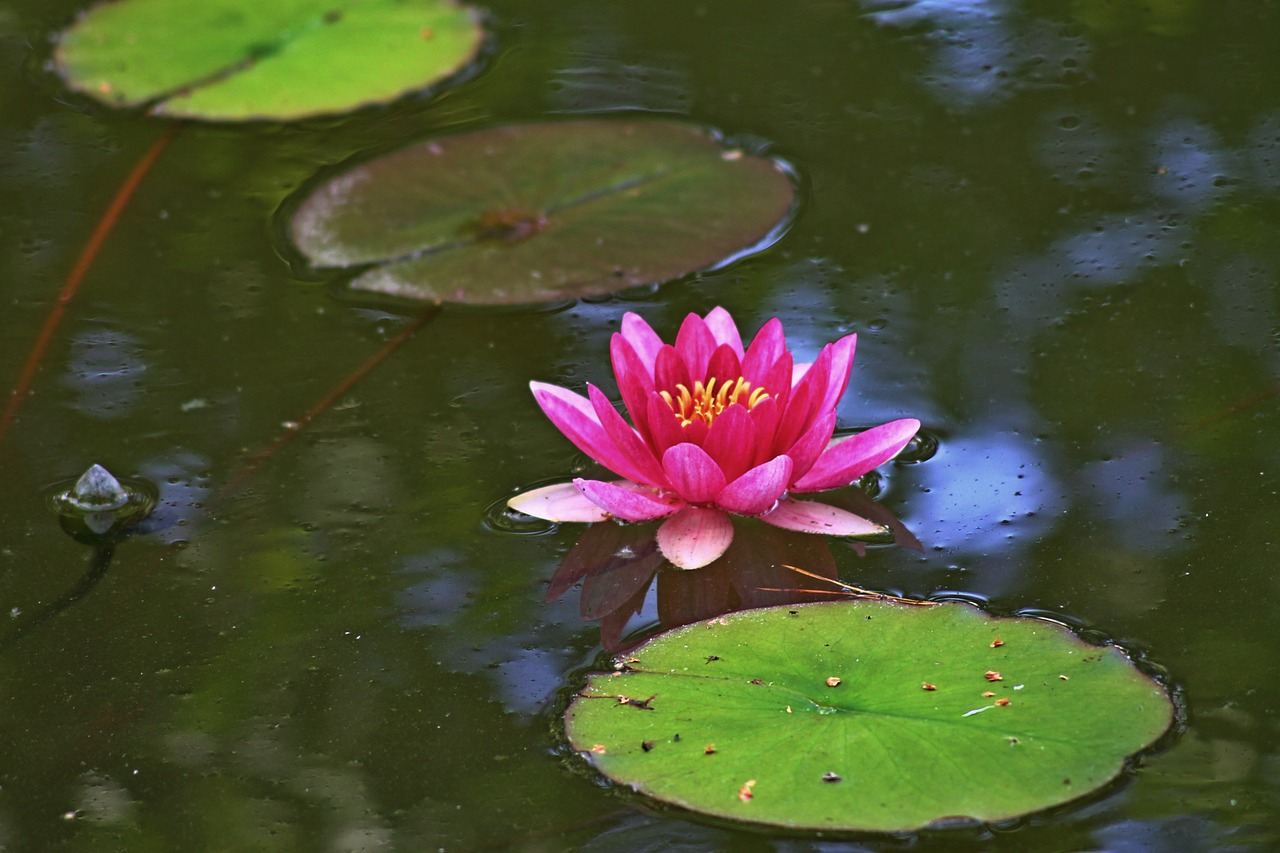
(1053, 226)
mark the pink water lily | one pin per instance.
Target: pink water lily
(714, 429)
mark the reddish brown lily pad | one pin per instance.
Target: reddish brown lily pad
(538, 212)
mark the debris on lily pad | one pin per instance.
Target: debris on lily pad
(543, 212)
(961, 751)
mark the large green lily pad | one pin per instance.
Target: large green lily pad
(868, 716)
(538, 212)
(248, 59)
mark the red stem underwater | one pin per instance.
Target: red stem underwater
(69, 288)
(328, 400)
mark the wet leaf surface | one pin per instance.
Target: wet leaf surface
(539, 212)
(233, 60)
(868, 716)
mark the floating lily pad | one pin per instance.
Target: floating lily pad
(868, 716)
(248, 59)
(537, 212)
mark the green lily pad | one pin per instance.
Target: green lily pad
(868, 716)
(538, 212)
(232, 60)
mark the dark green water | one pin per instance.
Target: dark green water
(1055, 227)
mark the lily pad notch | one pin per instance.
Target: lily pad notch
(238, 60)
(542, 212)
(868, 716)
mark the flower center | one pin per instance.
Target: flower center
(706, 402)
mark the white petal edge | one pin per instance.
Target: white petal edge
(814, 517)
(561, 502)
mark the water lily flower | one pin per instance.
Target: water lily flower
(714, 428)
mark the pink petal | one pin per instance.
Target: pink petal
(694, 475)
(664, 427)
(809, 447)
(848, 460)
(802, 408)
(628, 501)
(765, 416)
(643, 339)
(724, 366)
(757, 490)
(669, 370)
(695, 344)
(561, 502)
(769, 345)
(841, 365)
(695, 432)
(731, 441)
(814, 517)
(777, 380)
(724, 330)
(635, 380)
(643, 464)
(695, 537)
(574, 416)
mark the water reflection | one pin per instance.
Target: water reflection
(984, 51)
(105, 372)
(605, 72)
(623, 574)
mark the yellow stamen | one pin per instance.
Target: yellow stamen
(705, 403)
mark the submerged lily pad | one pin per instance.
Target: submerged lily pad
(248, 59)
(868, 716)
(536, 212)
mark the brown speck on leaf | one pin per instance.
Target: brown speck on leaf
(1013, 741)
(508, 225)
(1002, 701)
(756, 682)
(992, 675)
(646, 745)
(927, 686)
(987, 694)
(744, 793)
(709, 749)
(675, 738)
(833, 681)
(711, 658)
(1066, 781)
(642, 704)
(426, 34)
(997, 643)
(598, 749)
(829, 776)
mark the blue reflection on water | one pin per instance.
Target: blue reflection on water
(105, 372)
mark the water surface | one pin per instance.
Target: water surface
(1052, 225)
